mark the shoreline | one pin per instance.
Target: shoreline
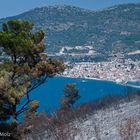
(120, 83)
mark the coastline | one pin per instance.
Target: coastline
(117, 70)
(114, 81)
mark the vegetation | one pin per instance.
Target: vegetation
(129, 130)
(110, 30)
(70, 96)
(63, 125)
(25, 68)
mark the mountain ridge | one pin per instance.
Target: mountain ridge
(64, 5)
(108, 31)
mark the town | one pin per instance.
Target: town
(119, 70)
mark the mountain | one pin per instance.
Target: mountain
(111, 30)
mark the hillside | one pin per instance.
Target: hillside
(120, 121)
(115, 29)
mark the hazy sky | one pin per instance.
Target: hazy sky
(15, 7)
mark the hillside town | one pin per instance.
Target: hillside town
(117, 69)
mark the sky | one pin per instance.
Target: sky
(15, 7)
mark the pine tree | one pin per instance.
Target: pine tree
(25, 68)
(70, 96)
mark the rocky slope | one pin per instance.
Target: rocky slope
(107, 124)
(120, 121)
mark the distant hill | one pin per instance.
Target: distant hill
(115, 29)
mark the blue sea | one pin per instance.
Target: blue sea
(50, 93)
(136, 83)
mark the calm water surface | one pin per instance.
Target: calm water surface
(49, 94)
